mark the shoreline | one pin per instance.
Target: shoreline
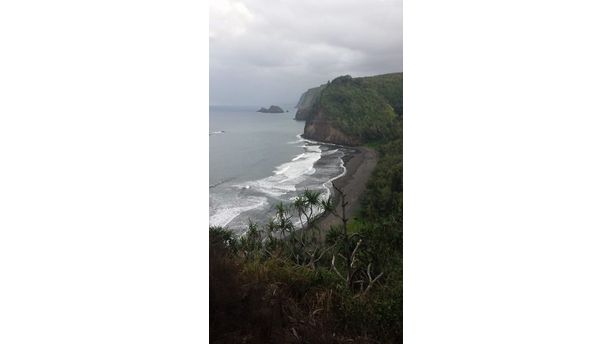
(254, 212)
(359, 166)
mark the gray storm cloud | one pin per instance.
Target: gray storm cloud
(270, 51)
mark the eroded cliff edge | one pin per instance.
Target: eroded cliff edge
(306, 103)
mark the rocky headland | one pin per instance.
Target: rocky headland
(305, 105)
(353, 111)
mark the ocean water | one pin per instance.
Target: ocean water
(258, 160)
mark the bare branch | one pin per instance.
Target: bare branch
(335, 269)
(370, 282)
(353, 260)
(323, 253)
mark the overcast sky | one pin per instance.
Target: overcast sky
(265, 52)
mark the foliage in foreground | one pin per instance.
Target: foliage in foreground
(277, 284)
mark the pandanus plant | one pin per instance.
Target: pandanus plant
(300, 205)
(313, 201)
(283, 218)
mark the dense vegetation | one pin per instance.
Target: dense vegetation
(368, 109)
(279, 284)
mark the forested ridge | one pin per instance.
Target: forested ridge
(356, 111)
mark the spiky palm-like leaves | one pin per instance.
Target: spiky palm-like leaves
(283, 220)
(307, 205)
(313, 201)
(300, 204)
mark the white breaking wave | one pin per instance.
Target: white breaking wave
(287, 181)
(299, 139)
(328, 185)
(298, 157)
(281, 169)
(288, 175)
(331, 151)
(223, 216)
(327, 192)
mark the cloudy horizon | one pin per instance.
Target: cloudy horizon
(270, 52)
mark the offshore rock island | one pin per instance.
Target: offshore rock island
(271, 109)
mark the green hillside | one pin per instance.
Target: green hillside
(366, 109)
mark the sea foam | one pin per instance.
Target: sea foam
(315, 169)
(223, 216)
(288, 175)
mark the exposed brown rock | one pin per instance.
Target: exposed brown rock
(318, 128)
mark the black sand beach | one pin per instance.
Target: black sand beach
(359, 167)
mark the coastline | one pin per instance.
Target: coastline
(286, 181)
(359, 166)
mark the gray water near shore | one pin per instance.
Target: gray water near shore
(258, 160)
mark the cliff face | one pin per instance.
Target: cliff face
(318, 128)
(305, 106)
(353, 111)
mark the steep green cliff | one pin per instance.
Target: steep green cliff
(355, 111)
(306, 103)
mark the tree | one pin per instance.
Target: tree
(350, 251)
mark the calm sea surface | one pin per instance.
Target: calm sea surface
(258, 160)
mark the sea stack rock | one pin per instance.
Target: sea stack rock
(272, 109)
